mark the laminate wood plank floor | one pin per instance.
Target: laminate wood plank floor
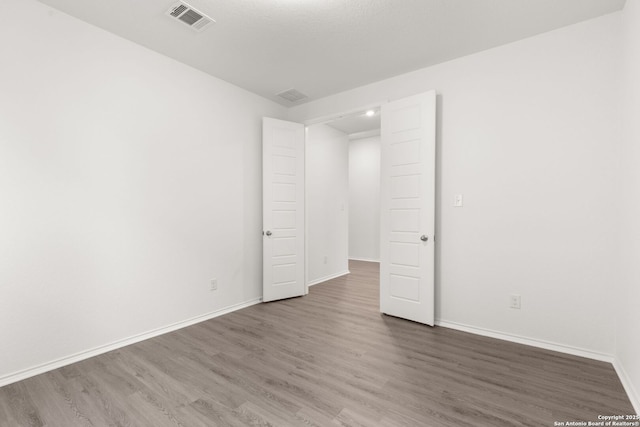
(329, 358)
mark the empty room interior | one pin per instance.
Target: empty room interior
(312, 212)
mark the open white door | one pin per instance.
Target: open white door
(282, 209)
(407, 192)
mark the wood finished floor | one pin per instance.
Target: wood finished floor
(326, 359)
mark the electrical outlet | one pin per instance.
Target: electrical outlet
(514, 301)
(325, 259)
(213, 285)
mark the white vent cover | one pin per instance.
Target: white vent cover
(292, 95)
(186, 14)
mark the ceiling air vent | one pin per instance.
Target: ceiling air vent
(186, 14)
(292, 95)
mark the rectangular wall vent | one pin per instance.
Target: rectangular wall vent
(188, 15)
(292, 95)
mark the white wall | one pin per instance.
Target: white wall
(364, 199)
(625, 307)
(528, 133)
(127, 181)
(327, 202)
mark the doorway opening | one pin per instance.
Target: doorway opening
(296, 221)
(342, 193)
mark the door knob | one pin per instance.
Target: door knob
(424, 238)
(268, 233)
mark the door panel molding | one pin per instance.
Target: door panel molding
(407, 214)
(283, 213)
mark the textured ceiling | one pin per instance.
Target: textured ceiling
(321, 47)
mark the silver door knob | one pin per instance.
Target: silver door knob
(268, 233)
(424, 238)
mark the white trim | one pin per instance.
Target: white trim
(632, 393)
(562, 348)
(306, 216)
(364, 259)
(332, 276)
(67, 360)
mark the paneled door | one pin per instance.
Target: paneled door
(407, 191)
(283, 209)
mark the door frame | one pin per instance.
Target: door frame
(326, 118)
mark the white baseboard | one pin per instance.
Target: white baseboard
(575, 351)
(633, 394)
(629, 388)
(324, 279)
(364, 259)
(64, 361)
